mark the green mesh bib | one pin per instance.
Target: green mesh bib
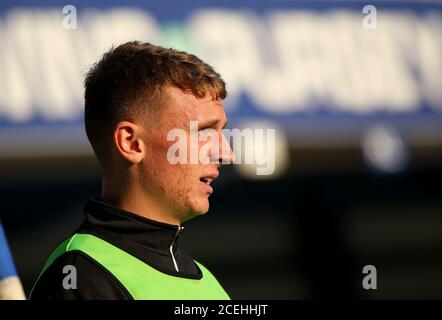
(141, 280)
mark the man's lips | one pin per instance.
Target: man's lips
(207, 179)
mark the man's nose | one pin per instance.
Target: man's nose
(226, 154)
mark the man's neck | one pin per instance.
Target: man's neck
(133, 201)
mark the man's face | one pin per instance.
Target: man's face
(184, 189)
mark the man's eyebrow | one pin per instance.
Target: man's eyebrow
(211, 123)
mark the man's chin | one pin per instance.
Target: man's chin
(194, 213)
(202, 210)
(195, 206)
(201, 207)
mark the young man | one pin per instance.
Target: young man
(127, 247)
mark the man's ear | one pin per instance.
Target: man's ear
(128, 141)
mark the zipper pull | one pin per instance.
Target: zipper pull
(180, 228)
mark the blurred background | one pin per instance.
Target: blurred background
(353, 91)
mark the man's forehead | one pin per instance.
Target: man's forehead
(194, 106)
(187, 97)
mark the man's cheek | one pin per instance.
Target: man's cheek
(158, 154)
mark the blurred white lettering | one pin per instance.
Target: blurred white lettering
(286, 62)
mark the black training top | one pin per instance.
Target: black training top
(153, 242)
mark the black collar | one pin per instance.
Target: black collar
(148, 240)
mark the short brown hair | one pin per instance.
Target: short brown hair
(131, 79)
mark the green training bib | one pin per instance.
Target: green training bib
(142, 281)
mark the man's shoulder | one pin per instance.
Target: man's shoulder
(76, 276)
